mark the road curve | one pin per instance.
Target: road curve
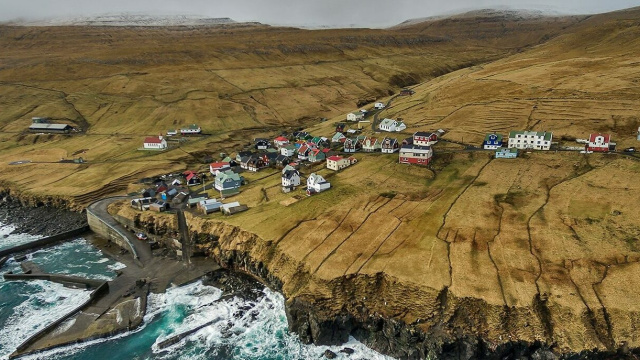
(99, 209)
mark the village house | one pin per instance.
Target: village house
(262, 144)
(338, 162)
(233, 208)
(179, 198)
(281, 161)
(195, 201)
(415, 154)
(600, 143)
(537, 140)
(317, 155)
(172, 132)
(370, 144)
(228, 183)
(355, 116)
(506, 153)
(192, 129)
(303, 152)
(169, 194)
(389, 145)
(257, 162)
(340, 127)
(290, 179)
(148, 192)
(421, 138)
(351, 145)
(407, 141)
(242, 155)
(492, 141)
(192, 178)
(316, 184)
(288, 150)
(219, 166)
(159, 206)
(338, 138)
(378, 106)
(391, 125)
(302, 135)
(280, 141)
(155, 143)
(50, 128)
(142, 203)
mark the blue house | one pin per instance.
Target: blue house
(506, 153)
(492, 141)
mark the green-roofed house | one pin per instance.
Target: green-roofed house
(492, 141)
(191, 129)
(506, 153)
(228, 183)
(530, 140)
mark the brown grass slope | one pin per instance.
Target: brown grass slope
(120, 84)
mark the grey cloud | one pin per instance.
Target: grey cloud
(368, 13)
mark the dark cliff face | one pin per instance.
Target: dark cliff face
(453, 332)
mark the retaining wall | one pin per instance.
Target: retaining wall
(44, 242)
(110, 232)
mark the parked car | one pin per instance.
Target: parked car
(141, 236)
(631, 149)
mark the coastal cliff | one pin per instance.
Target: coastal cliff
(395, 317)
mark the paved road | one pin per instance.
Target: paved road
(99, 208)
(374, 123)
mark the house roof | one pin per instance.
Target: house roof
(326, 150)
(191, 176)
(507, 150)
(219, 164)
(289, 173)
(607, 137)
(228, 175)
(543, 134)
(193, 127)
(335, 158)
(152, 140)
(281, 139)
(41, 126)
(388, 122)
(488, 137)
(423, 133)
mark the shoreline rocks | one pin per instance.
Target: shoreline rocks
(40, 220)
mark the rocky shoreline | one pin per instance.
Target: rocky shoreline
(44, 220)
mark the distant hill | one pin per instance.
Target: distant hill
(128, 20)
(496, 27)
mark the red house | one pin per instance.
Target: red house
(422, 138)
(415, 154)
(599, 142)
(280, 141)
(219, 166)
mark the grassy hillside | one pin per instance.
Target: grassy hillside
(237, 82)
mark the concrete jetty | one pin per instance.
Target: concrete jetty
(44, 242)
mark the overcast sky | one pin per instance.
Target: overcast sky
(368, 13)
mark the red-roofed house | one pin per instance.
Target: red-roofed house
(599, 142)
(192, 178)
(338, 162)
(219, 166)
(155, 143)
(280, 141)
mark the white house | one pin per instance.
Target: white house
(391, 125)
(378, 105)
(537, 140)
(355, 116)
(316, 183)
(422, 138)
(338, 162)
(220, 166)
(290, 179)
(191, 129)
(288, 150)
(155, 143)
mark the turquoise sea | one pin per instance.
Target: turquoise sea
(244, 329)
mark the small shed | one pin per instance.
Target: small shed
(233, 208)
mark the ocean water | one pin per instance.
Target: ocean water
(238, 329)
(7, 239)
